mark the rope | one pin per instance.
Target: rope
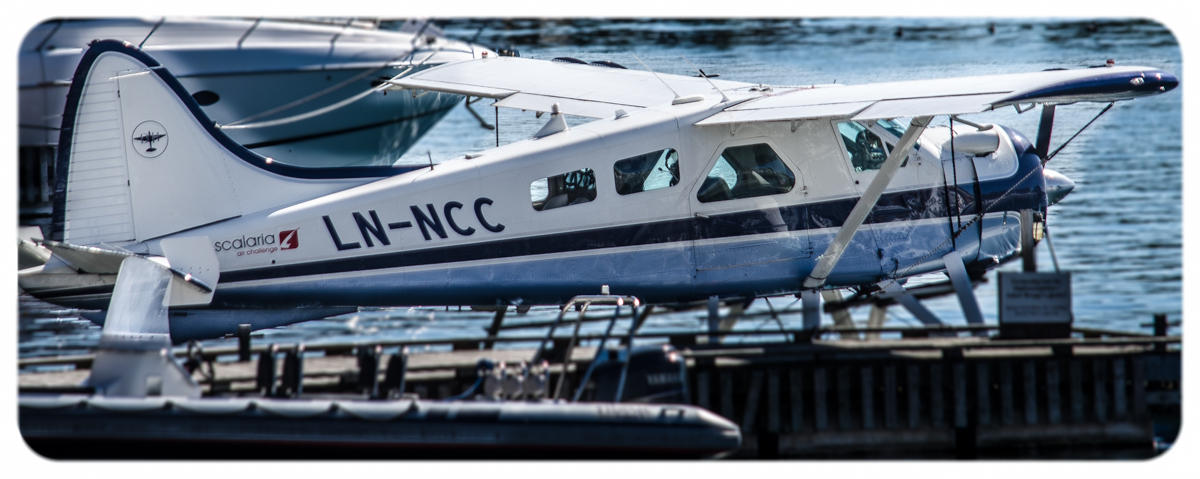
(412, 51)
(302, 116)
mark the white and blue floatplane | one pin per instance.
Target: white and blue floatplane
(684, 189)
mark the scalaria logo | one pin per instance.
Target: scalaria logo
(289, 239)
(248, 245)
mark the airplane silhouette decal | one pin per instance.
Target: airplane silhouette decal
(150, 137)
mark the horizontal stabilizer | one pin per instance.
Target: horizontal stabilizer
(192, 263)
(88, 259)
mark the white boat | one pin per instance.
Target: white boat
(247, 72)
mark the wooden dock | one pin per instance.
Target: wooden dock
(823, 395)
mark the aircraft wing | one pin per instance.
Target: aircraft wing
(950, 96)
(582, 90)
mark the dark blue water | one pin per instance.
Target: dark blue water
(1118, 233)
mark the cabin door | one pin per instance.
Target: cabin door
(749, 215)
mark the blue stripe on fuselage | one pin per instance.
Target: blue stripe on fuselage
(656, 274)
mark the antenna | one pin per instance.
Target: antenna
(430, 155)
(678, 99)
(724, 98)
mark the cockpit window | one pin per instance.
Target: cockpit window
(572, 188)
(897, 129)
(865, 149)
(745, 172)
(651, 171)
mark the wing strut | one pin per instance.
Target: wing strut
(1045, 127)
(833, 253)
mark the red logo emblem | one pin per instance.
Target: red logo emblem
(289, 239)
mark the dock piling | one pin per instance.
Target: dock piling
(913, 389)
(843, 398)
(937, 411)
(1118, 376)
(264, 381)
(796, 384)
(368, 370)
(752, 399)
(983, 387)
(394, 377)
(1160, 330)
(243, 335)
(1053, 393)
(868, 398)
(1076, 391)
(1007, 409)
(727, 394)
(773, 421)
(293, 373)
(1030, 389)
(820, 398)
(1099, 391)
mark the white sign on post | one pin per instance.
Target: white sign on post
(1035, 298)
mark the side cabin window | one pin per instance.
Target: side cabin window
(865, 149)
(651, 171)
(571, 188)
(745, 172)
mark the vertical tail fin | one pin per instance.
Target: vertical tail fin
(138, 159)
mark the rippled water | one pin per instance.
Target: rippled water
(1119, 232)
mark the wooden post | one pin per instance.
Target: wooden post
(1138, 377)
(243, 334)
(1100, 391)
(750, 412)
(937, 408)
(843, 398)
(796, 383)
(890, 420)
(1053, 396)
(1160, 330)
(1120, 411)
(773, 401)
(868, 397)
(702, 387)
(727, 395)
(960, 395)
(1031, 414)
(914, 396)
(1007, 412)
(983, 393)
(1076, 392)
(820, 399)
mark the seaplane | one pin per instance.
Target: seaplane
(682, 189)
